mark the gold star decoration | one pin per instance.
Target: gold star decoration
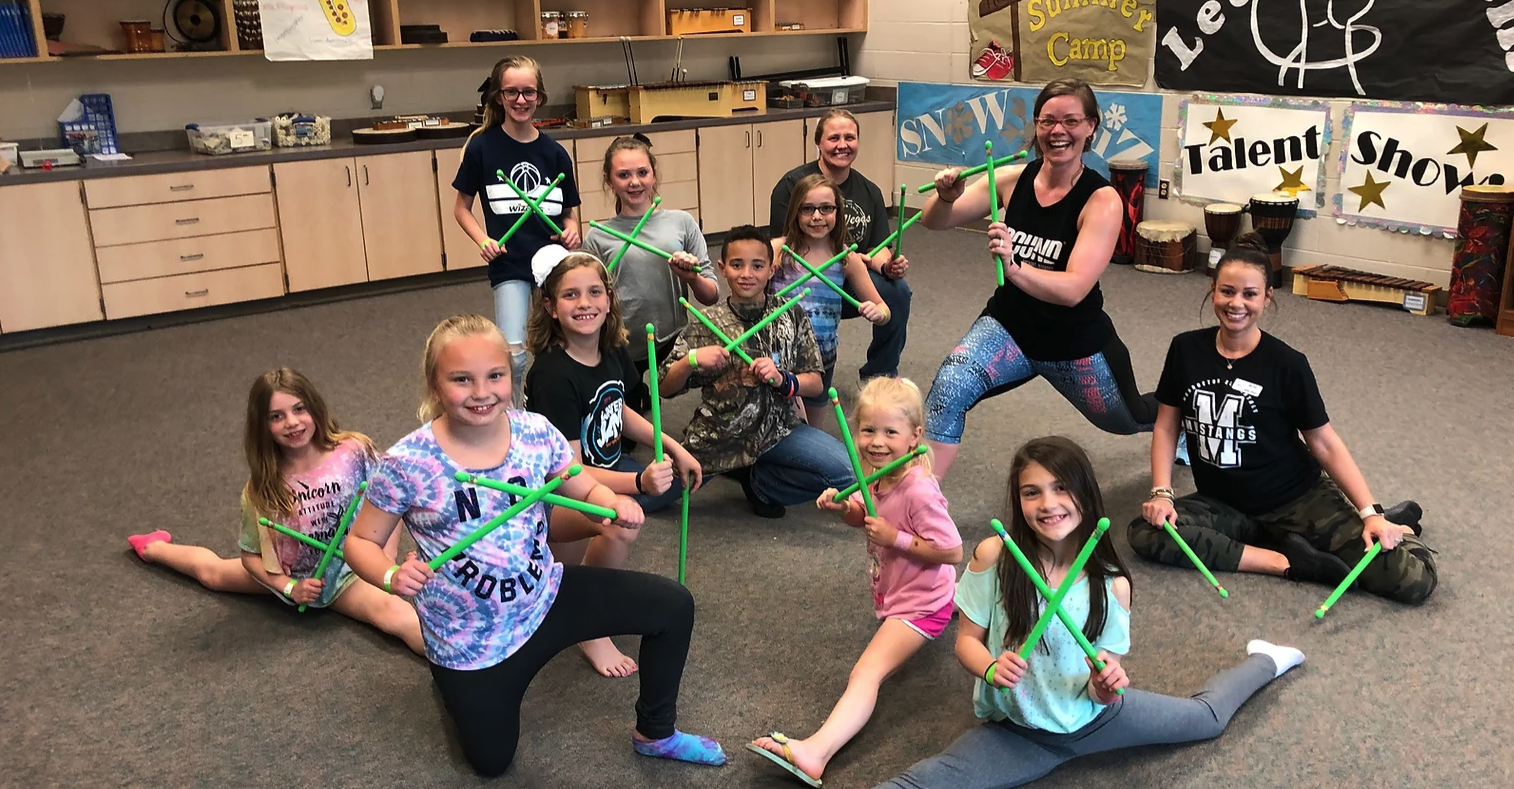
(1219, 128)
(1370, 192)
(1471, 144)
(1293, 182)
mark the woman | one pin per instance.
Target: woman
(866, 219)
(1244, 398)
(1057, 233)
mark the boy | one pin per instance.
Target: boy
(747, 424)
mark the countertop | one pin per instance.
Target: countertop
(158, 162)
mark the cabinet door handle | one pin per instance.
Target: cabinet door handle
(190, 221)
(181, 188)
(365, 175)
(349, 176)
(748, 139)
(195, 256)
(189, 294)
(759, 138)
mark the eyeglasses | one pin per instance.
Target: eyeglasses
(811, 210)
(1069, 123)
(511, 94)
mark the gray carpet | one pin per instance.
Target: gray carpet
(117, 674)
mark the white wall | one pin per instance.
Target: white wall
(914, 41)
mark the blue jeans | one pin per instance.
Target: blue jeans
(648, 502)
(888, 340)
(801, 466)
(512, 306)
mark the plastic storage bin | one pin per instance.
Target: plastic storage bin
(95, 132)
(829, 91)
(294, 130)
(230, 138)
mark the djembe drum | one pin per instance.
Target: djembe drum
(1165, 247)
(1222, 223)
(1272, 215)
(1128, 176)
(1483, 232)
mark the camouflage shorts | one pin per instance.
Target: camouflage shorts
(1218, 533)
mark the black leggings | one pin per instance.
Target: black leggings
(592, 602)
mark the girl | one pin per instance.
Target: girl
(499, 611)
(508, 143)
(913, 547)
(1058, 230)
(303, 471)
(813, 231)
(578, 383)
(1244, 398)
(1053, 708)
(649, 287)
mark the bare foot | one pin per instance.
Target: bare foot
(804, 756)
(606, 659)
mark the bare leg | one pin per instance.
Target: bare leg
(365, 603)
(894, 643)
(942, 457)
(575, 539)
(203, 565)
(1263, 561)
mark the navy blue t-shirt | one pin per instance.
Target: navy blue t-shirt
(531, 165)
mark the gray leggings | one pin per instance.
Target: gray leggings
(997, 755)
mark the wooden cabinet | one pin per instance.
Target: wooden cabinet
(320, 223)
(401, 233)
(738, 166)
(459, 249)
(176, 187)
(779, 148)
(875, 152)
(47, 264)
(677, 173)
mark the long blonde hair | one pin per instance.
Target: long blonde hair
(266, 489)
(494, 113)
(902, 396)
(544, 332)
(453, 328)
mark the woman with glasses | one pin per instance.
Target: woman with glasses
(1056, 235)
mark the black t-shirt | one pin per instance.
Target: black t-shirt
(1044, 238)
(866, 212)
(583, 402)
(531, 165)
(1243, 423)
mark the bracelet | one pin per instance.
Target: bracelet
(693, 359)
(988, 673)
(1162, 492)
(903, 541)
(389, 577)
(639, 488)
(289, 588)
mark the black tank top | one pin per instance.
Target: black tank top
(1044, 237)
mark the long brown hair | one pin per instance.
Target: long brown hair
(453, 328)
(494, 112)
(544, 332)
(1063, 87)
(265, 488)
(634, 142)
(1069, 464)
(794, 236)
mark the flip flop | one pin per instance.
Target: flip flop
(787, 761)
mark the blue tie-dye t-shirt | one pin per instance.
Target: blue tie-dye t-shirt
(489, 600)
(821, 304)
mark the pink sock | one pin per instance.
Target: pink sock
(140, 541)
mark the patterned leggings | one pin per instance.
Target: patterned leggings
(988, 362)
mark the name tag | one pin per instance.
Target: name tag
(1246, 387)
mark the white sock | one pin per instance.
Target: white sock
(1283, 658)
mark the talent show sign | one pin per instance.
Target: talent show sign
(1231, 148)
(1446, 50)
(1403, 165)
(1102, 42)
(948, 124)
(316, 29)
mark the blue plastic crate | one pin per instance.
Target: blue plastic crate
(16, 38)
(96, 131)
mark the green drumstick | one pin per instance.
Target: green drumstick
(534, 207)
(972, 171)
(1193, 557)
(881, 473)
(531, 207)
(719, 335)
(851, 450)
(551, 498)
(1371, 554)
(632, 240)
(830, 283)
(784, 291)
(656, 399)
(636, 232)
(501, 519)
(1067, 584)
(993, 207)
(899, 247)
(304, 538)
(683, 531)
(894, 236)
(341, 531)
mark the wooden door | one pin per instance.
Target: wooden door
(397, 193)
(811, 151)
(875, 152)
(725, 177)
(780, 148)
(460, 250)
(47, 263)
(320, 223)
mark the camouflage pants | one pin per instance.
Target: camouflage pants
(1218, 533)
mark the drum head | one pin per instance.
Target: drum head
(1162, 230)
(1127, 164)
(1222, 208)
(1275, 198)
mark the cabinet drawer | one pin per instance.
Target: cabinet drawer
(671, 168)
(188, 255)
(181, 220)
(176, 187)
(591, 151)
(188, 291)
(683, 195)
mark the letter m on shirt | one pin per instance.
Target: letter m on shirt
(1218, 419)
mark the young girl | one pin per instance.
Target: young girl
(303, 471)
(495, 614)
(508, 143)
(1054, 707)
(913, 546)
(579, 383)
(813, 230)
(649, 287)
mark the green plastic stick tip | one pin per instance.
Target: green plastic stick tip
(657, 200)
(1223, 593)
(832, 395)
(574, 470)
(651, 329)
(500, 174)
(1320, 614)
(999, 527)
(988, 145)
(264, 522)
(1102, 526)
(463, 476)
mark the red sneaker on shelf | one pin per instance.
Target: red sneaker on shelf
(994, 63)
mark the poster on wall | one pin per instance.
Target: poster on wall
(1102, 42)
(316, 30)
(1403, 165)
(1454, 51)
(948, 124)
(994, 27)
(1232, 148)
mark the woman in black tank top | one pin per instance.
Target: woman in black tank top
(1056, 236)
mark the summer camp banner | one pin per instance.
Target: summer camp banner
(948, 124)
(1231, 148)
(1102, 42)
(1454, 51)
(316, 30)
(1403, 165)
